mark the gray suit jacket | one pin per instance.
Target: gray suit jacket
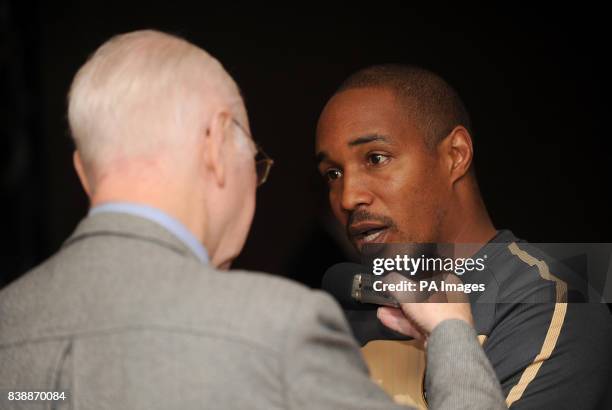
(124, 316)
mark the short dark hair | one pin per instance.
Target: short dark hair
(431, 101)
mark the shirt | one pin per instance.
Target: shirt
(548, 348)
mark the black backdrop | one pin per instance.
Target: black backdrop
(534, 80)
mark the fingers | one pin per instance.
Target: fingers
(396, 320)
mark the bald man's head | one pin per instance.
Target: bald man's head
(428, 100)
(158, 121)
(142, 94)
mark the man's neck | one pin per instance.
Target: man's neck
(170, 201)
(472, 227)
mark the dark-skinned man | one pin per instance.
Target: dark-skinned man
(394, 144)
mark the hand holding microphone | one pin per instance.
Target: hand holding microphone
(417, 314)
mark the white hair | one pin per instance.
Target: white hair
(143, 93)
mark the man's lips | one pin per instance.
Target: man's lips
(367, 232)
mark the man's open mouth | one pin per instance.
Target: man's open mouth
(367, 232)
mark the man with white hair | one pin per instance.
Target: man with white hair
(135, 311)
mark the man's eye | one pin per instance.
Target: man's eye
(332, 174)
(377, 159)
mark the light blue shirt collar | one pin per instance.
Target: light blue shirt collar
(155, 215)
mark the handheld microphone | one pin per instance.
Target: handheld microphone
(353, 288)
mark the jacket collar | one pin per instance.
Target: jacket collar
(127, 226)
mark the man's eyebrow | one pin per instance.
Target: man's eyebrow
(320, 157)
(323, 156)
(367, 138)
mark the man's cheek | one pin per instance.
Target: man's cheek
(334, 203)
(340, 216)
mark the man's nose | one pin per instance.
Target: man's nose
(355, 192)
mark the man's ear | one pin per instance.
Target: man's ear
(80, 170)
(215, 145)
(457, 149)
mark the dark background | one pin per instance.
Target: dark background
(534, 80)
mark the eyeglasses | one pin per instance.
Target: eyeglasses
(263, 163)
